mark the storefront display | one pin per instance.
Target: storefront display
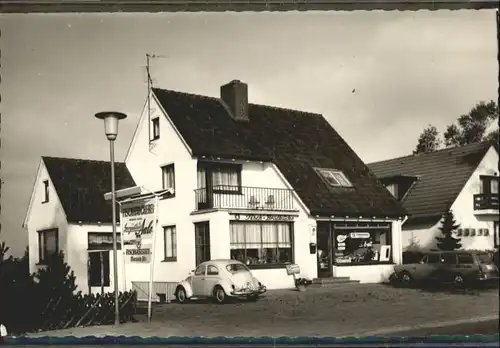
(362, 247)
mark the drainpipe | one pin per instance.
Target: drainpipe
(401, 239)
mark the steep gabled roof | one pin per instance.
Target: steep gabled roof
(294, 141)
(81, 185)
(441, 177)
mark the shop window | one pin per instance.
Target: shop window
(48, 244)
(363, 246)
(170, 238)
(261, 244)
(334, 177)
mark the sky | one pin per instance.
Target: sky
(378, 77)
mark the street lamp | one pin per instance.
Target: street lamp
(111, 119)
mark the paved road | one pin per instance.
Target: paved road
(354, 310)
(490, 327)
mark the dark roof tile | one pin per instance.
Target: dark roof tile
(295, 141)
(441, 176)
(81, 185)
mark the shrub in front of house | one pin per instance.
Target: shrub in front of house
(46, 300)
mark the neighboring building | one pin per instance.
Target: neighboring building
(265, 185)
(463, 179)
(67, 212)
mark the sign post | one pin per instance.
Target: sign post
(152, 262)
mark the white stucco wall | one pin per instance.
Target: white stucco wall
(42, 216)
(78, 257)
(144, 166)
(424, 235)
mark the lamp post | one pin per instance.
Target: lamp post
(111, 119)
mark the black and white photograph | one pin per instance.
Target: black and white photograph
(250, 174)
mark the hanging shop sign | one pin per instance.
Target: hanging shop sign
(138, 255)
(137, 221)
(263, 217)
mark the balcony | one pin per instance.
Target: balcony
(241, 197)
(486, 202)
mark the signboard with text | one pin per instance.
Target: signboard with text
(263, 217)
(137, 221)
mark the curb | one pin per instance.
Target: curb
(395, 330)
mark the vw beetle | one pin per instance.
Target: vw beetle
(220, 280)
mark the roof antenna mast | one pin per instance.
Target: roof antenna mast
(150, 86)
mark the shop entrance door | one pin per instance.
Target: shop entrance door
(325, 250)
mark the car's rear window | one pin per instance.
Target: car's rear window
(465, 259)
(484, 258)
(236, 267)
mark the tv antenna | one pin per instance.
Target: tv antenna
(150, 86)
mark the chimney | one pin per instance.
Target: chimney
(235, 95)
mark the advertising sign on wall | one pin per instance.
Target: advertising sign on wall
(137, 221)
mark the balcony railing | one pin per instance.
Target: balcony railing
(486, 201)
(241, 197)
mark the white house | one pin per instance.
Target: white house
(463, 179)
(265, 185)
(67, 212)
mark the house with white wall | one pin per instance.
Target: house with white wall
(461, 179)
(265, 185)
(67, 212)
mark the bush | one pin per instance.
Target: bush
(46, 300)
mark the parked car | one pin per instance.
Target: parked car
(457, 267)
(219, 279)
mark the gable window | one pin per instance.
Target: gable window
(170, 243)
(48, 241)
(489, 184)
(168, 177)
(334, 177)
(155, 123)
(46, 191)
(393, 189)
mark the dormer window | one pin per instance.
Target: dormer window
(393, 189)
(334, 177)
(155, 124)
(46, 191)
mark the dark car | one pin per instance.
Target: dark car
(459, 267)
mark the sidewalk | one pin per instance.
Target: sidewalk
(352, 311)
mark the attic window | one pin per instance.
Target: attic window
(334, 177)
(155, 123)
(46, 191)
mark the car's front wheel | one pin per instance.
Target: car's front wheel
(219, 294)
(406, 278)
(181, 295)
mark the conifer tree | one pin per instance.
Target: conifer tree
(448, 227)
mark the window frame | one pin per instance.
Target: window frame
(210, 168)
(155, 126)
(266, 265)
(486, 184)
(202, 227)
(326, 174)
(212, 274)
(173, 243)
(42, 252)
(164, 170)
(388, 231)
(46, 192)
(107, 275)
